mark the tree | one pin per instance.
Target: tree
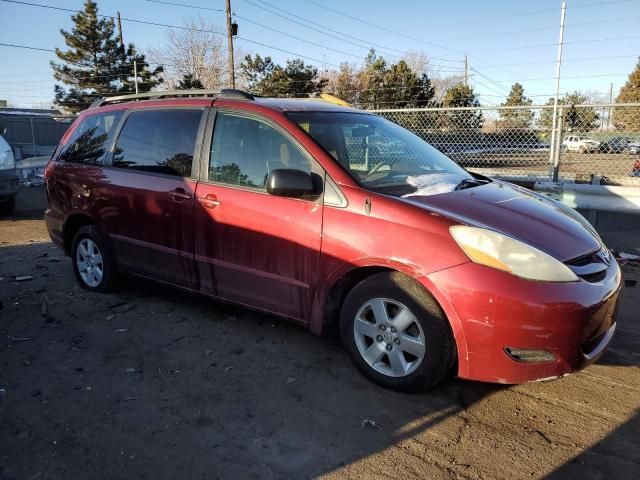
(461, 95)
(94, 64)
(628, 118)
(581, 119)
(195, 50)
(516, 119)
(189, 83)
(344, 83)
(396, 85)
(296, 79)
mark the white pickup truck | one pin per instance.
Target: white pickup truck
(574, 143)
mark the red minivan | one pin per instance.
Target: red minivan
(339, 220)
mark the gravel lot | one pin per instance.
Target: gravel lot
(154, 383)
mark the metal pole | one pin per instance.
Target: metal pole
(232, 75)
(610, 102)
(554, 140)
(466, 71)
(135, 74)
(122, 50)
(558, 150)
(33, 139)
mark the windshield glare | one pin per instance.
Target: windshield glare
(381, 155)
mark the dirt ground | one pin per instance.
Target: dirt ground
(154, 383)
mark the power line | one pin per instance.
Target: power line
(187, 5)
(380, 27)
(526, 14)
(170, 26)
(360, 45)
(26, 46)
(285, 51)
(527, 47)
(132, 20)
(404, 35)
(297, 38)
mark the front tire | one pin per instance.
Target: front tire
(396, 334)
(7, 205)
(93, 262)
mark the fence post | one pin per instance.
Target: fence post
(558, 146)
(33, 139)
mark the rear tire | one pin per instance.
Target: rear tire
(93, 261)
(7, 205)
(396, 334)
(582, 150)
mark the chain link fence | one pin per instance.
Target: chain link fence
(592, 143)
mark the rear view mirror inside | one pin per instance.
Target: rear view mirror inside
(362, 131)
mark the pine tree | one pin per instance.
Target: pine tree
(461, 95)
(628, 118)
(189, 82)
(582, 119)
(516, 119)
(94, 64)
(267, 78)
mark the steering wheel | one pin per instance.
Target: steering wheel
(377, 168)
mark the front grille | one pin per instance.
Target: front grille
(592, 267)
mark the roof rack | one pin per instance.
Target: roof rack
(224, 93)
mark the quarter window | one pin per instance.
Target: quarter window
(158, 141)
(90, 141)
(244, 150)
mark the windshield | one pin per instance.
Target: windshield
(381, 155)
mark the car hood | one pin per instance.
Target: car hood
(518, 213)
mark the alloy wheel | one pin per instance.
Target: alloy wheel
(89, 262)
(389, 337)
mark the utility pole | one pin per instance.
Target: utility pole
(122, 51)
(135, 73)
(466, 71)
(232, 74)
(554, 159)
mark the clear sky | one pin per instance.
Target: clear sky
(506, 41)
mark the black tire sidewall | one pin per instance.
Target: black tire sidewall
(440, 353)
(108, 271)
(7, 205)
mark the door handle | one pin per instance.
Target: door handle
(178, 195)
(209, 201)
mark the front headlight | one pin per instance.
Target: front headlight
(7, 162)
(501, 252)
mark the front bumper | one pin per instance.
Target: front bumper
(494, 312)
(8, 182)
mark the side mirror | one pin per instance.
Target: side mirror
(287, 182)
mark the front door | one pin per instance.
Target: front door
(147, 195)
(252, 247)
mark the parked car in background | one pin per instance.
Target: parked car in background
(634, 148)
(8, 178)
(615, 145)
(574, 143)
(341, 221)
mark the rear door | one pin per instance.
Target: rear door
(147, 194)
(252, 247)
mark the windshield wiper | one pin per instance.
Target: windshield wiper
(470, 183)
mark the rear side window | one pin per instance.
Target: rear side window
(90, 141)
(245, 150)
(158, 141)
